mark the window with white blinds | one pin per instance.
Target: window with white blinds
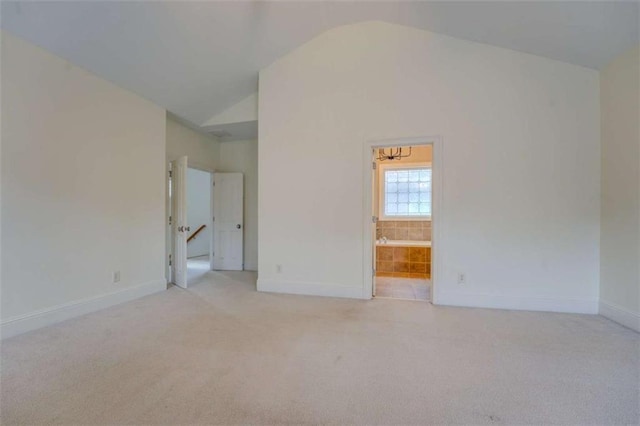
(406, 192)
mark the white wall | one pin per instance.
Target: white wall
(620, 237)
(521, 164)
(243, 111)
(198, 211)
(242, 156)
(83, 165)
(202, 149)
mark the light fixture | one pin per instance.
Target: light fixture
(394, 154)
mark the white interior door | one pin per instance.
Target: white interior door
(179, 227)
(228, 225)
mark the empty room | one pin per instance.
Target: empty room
(320, 212)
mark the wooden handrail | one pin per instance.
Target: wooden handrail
(196, 233)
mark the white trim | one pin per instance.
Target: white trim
(368, 230)
(498, 301)
(167, 226)
(310, 288)
(620, 315)
(45, 317)
(381, 190)
(212, 234)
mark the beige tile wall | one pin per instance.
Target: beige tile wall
(413, 230)
(407, 262)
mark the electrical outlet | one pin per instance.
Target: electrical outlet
(279, 269)
(462, 278)
(116, 277)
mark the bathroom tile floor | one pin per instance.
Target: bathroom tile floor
(403, 288)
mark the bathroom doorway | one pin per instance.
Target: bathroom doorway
(401, 227)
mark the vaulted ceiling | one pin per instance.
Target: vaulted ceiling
(199, 59)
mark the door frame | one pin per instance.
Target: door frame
(369, 229)
(180, 204)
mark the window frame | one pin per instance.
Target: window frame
(382, 168)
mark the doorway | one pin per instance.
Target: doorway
(189, 222)
(205, 222)
(401, 190)
(198, 224)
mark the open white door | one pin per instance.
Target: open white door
(179, 228)
(227, 221)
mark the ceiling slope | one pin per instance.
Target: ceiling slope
(198, 59)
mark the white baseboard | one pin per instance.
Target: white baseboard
(42, 318)
(494, 301)
(310, 288)
(620, 315)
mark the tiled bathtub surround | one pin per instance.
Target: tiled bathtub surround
(413, 230)
(403, 262)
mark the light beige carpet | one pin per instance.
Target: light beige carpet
(220, 353)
